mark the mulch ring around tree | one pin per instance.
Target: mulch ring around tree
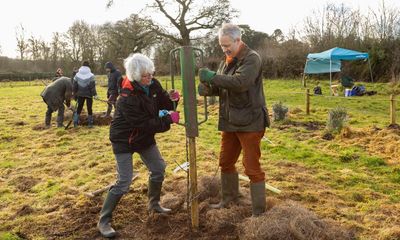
(98, 120)
(282, 220)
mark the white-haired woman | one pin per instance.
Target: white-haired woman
(143, 109)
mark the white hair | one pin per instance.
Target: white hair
(136, 65)
(231, 30)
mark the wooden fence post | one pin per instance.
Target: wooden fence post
(308, 101)
(392, 109)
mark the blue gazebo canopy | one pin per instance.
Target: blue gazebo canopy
(330, 60)
(338, 54)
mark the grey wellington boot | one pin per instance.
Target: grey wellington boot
(76, 119)
(229, 190)
(258, 201)
(154, 198)
(104, 224)
(90, 121)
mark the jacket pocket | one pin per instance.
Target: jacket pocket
(239, 99)
(133, 136)
(240, 116)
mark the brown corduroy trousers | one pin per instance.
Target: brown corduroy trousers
(232, 143)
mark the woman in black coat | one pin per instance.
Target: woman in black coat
(143, 109)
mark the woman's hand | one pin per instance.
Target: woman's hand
(174, 116)
(174, 95)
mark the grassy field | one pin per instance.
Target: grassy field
(353, 179)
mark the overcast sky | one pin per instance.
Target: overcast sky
(43, 17)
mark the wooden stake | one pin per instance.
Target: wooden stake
(392, 109)
(308, 101)
(194, 205)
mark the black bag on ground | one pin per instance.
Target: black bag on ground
(317, 90)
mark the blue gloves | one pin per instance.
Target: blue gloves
(163, 113)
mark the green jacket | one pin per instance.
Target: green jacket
(239, 85)
(57, 92)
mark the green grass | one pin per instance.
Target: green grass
(325, 176)
(8, 236)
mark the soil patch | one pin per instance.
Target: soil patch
(20, 123)
(380, 142)
(39, 127)
(310, 126)
(24, 183)
(132, 220)
(25, 210)
(98, 118)
(7, 138)
(328, 136)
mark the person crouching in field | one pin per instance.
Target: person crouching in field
(54, 96)
(84, 90)
(243, 116)
(144, 108)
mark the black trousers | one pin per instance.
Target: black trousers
(89, 104)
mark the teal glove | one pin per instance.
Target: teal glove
(206, 75)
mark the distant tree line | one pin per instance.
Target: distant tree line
(336, 25)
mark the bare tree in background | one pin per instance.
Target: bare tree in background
(55, 46)
(131, 35)
(22, 44)
(34, 47)
(44, 49)
(386, 22)
(188, 16)
(77, 37)
(337, 24)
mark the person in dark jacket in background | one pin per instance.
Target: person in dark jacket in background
(54, 96)
(84, 90)
(59, 73)
(243, 116)
(74, 72)
(144, 108)
(114, 82)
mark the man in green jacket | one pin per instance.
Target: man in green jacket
(242, 115)
(54, 95)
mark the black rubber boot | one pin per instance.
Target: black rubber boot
(104, 224)
(60, 120)
(90, 121)
(154, 198)
(258, 201)
(60, 116)
(109, 109)
(229, 190)
(47, 120)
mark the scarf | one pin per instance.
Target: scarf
(229, 59)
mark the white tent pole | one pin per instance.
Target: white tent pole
(330, 75)
(370, 70)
